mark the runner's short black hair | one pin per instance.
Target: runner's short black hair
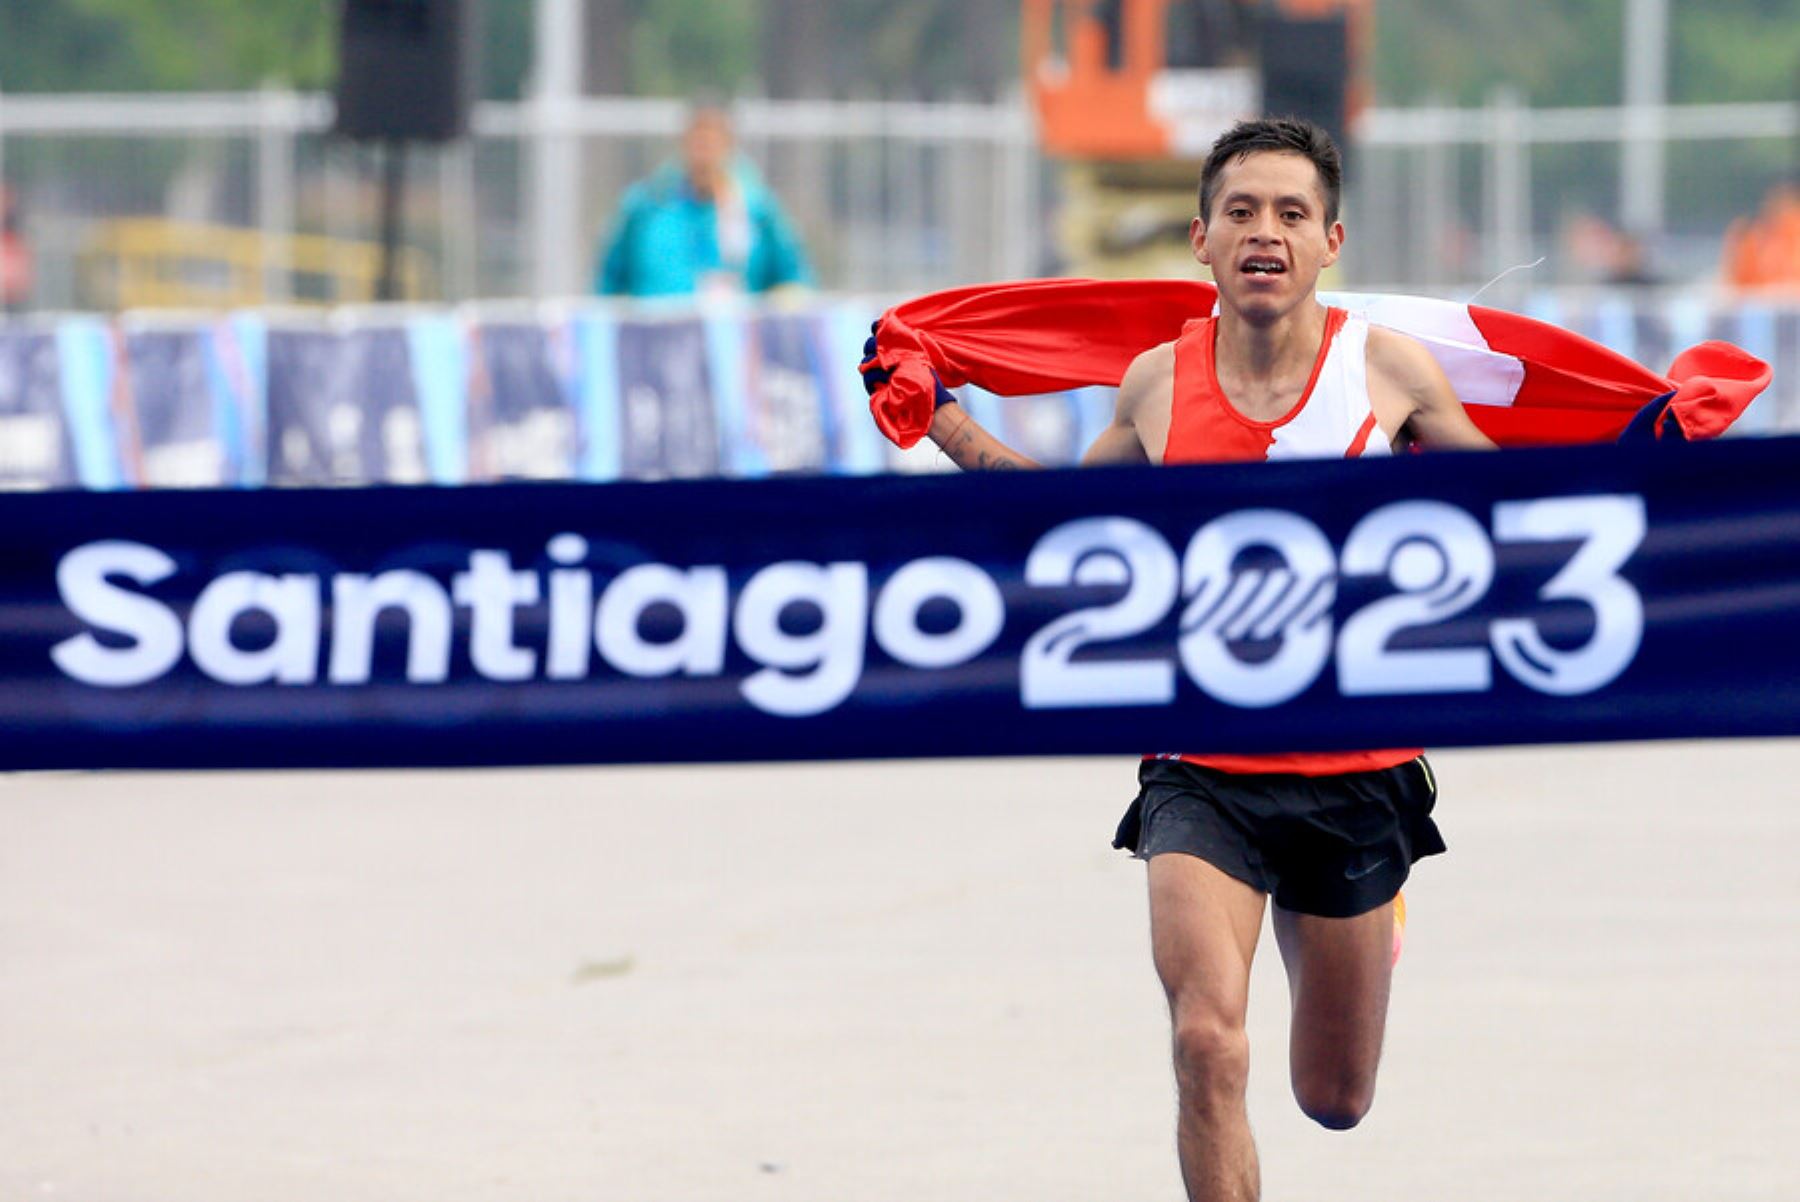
(1284, 135)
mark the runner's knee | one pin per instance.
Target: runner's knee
(1212, 1056)
(1336, 1102)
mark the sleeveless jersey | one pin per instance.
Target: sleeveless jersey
(1333, 418)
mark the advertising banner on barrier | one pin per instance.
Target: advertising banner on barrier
(1578, 594)
(36, 447)
(522, 422)
(345, 406)
(588, 391)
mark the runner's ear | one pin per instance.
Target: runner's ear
(1334, 242)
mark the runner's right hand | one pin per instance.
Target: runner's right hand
(875, 376)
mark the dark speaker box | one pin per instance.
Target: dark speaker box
(405, 69)
(1306, 70)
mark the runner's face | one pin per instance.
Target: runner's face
(1266, 240)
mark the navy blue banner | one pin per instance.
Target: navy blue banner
(1577, 594)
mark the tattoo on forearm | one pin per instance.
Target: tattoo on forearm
(965, 450)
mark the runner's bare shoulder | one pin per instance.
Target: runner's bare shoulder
(1135, 428)
(1412, 394)
(1149, 381)
(1140, 421)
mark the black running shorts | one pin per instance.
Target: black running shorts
(1334, 846)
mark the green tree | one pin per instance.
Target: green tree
(927, 48)
(1723, 50)
(505, 47)
(53, 46)
(683, 46)
(1556, 52)
(213, 44)
(1571, 52)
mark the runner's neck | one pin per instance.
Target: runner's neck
(1267, 353)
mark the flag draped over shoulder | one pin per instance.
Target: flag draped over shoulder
(1523, 381)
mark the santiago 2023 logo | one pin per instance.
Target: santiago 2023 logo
(1438, 559)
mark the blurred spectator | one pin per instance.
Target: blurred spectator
(1600, 252)
(15, 257)
(705, 223)
(1631, 263)
(1213, 33)
(1764, 251)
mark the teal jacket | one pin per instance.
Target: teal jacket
(665, 239)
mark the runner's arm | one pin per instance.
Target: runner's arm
(1121, 441)
(956, 434)
(972, 448)
(1403, 368)
(969, 446)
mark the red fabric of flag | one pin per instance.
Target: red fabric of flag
(1523, 381)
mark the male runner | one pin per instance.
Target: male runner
(1331, 837)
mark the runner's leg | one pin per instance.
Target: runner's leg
(1203, 930)
(1339, 971)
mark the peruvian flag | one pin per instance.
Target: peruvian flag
(1524, 382)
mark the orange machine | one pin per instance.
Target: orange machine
(1105, 86)
(1130, 94)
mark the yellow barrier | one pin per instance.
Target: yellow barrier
(144, 262)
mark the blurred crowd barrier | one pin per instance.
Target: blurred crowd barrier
(431, 394)
(409, 395)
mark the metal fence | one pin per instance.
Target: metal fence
(891, 196)
(1444, 198)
